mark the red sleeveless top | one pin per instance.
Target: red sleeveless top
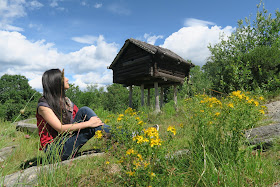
(46, 132)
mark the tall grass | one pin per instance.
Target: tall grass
(201, 143)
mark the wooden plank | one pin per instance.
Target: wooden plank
(141, 60)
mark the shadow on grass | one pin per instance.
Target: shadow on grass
(39, 160)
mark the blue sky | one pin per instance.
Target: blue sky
(84, 36)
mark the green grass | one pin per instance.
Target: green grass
(210, 128)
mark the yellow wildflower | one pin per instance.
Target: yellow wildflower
(130, 173)
(153, 174)
(146, 164)
(140, 157)
(155, 142)
(140, 123)
(171, 129)
(137, 164)
(181, 125)
(256, 103)
(151, 132)
(261, 98)
(107, 162)
(106, 121)
(262, 111)
(201, 110)
(137, 118)
(230, 105)
(98, 134)
(217, 114)
(130, 151)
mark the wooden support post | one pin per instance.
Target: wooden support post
(148, 100)
(130, 96)
(157, 97)
(142, 94)
(161, 96)
(175, 96)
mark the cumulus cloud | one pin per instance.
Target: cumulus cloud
(98, 5)
(31, 59)
(151, 39)
(191, 42)
(12, 9)
(34, 5)
(86, 39)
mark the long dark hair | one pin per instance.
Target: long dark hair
(54, 93)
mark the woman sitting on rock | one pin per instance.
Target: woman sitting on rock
(59, 121)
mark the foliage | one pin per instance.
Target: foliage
(198, 83)
(218, 132)
(15, 94)
(249, 58)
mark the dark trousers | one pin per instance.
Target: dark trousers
(73, 142)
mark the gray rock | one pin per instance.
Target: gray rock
(264, 134)
(6, 152)
(25, 126)
(274, 110)
(29, 176)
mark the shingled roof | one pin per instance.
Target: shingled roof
(152, 49)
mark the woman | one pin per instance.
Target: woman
(60, 121)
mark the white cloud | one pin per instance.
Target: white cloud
(54, 3)
(35, 5)
(151, 39)
(98, 5)
(12, 9)
(86, 39)
(192, 42)
(190, 22)
(31, 59)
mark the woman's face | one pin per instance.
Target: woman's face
(66, 84)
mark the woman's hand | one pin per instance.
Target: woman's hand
(95, 122)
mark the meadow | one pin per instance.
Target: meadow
(201, 142)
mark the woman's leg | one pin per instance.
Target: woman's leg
(79, 138)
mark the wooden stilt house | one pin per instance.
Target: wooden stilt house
(141, 64)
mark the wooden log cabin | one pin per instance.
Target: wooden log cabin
(141, 64)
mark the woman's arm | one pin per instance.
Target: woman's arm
(53, 121)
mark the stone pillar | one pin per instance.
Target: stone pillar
(175, 96)
(157, 97)
(142, 94)
(130, 96)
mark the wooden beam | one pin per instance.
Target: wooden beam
(130, 96)
(157, 97)
(142, 94)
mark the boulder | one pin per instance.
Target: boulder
(264, 134)
(28, 177)
(6, 152)
(25, 126)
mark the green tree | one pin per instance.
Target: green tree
(74, 93)
(198, 83)
(15, 94)
(116, 98)
(249, 58)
